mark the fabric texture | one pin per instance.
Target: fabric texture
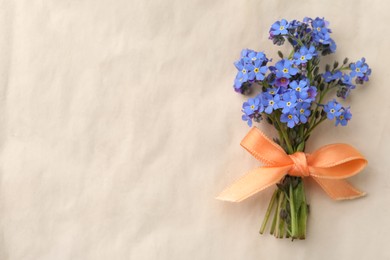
(119, 126)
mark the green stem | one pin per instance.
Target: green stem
(303, 216)
(291, 54)
(267, 214)
(309, 71)
(312, 119)
(279, 131)
(344, 68)
(301, 129)
(287, 140)
(294, 222)
(282, 222)
(284, 134)
(281, 198)
(296, 39)
(272, 231)
(307, 36)
(313, 127)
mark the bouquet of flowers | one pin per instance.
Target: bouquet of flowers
(295, 96)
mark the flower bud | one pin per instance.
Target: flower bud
(359, 80)
(246, 89)
(278, 40)
(317, 114)
(316, 71)
(257, 117)
(323, 113)
(315, 61)
(327, 67)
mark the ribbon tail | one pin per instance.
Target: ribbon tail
(253, 182)
(339, 189)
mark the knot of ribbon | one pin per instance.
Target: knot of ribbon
(328, 166)
(299, 167)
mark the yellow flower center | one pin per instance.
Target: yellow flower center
(298, 89)
(302, 57)
(272, 92)
(318, 29)
(256, 70)
(332, 110)
(290, 116)
(302, 110)
(341, 117)
(252, 107)
(357, 69)
(244, 71)
(254, 58)
(281, 27)
(271, 102)
(288, 104)
(285, 70)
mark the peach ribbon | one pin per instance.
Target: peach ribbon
(328, 166)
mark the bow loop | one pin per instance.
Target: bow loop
(263, 149)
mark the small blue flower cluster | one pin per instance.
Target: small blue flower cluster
(292, 101)
(311, 30)
(334, 110)
(251, 67)
(293, 89)
(359, 71)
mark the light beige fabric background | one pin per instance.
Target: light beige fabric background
(119, 125)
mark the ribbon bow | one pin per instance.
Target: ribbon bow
(328, 166)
